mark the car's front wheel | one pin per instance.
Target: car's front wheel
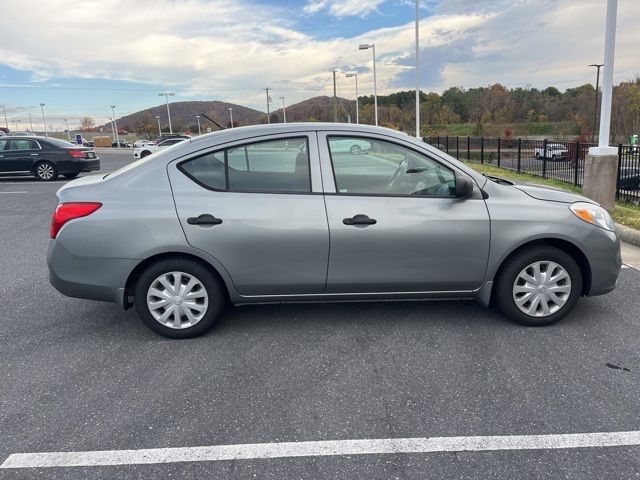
(538, 286)
(355, 150)
(179, 298)
(145, 154)
(46, 171)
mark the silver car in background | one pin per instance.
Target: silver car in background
(285, 212)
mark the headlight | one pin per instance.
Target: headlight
(593, 214)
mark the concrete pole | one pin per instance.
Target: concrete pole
(357, 109)
(335, 99)
(68, 133)
(159, 129)
(231, 115)
(44, 120)
(284, 110)
(268, 100)
(375, 87)
(601, 165)
(6, 123)
(30, 123)
(198, 119)
(115, 125)
(418, 68)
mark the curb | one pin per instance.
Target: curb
(628, 234)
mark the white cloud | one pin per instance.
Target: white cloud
(342, 8)
(230, 50)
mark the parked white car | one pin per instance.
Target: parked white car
(149, 149)
(555, 152)
(352, 145)
(142, 143)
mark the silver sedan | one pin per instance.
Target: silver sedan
(278, 213)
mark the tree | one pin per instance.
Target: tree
(86, 123)
(145, 126)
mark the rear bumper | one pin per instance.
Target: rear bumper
(91, 278)
(78, 166)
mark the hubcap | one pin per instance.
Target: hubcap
(45, 171)
(177, 300)
(542, 288)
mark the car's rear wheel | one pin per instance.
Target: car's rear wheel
(538, 286)
(355, 150)
(179, 298)
(71, 176)
(46, 171)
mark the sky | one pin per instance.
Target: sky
(81, 57)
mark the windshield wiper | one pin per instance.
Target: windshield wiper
(498, 180)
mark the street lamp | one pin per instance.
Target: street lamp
(30, 123)
(284, 110)
(268, 102)
(68, 134)
(159, 129)
(231, 115)
(595, 110)
(355, 75)
(115, 125)
(417, 68)
(44, 120)
(198, 119)
(166, 95)
(366, 46)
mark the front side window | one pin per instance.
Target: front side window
(271, 166)
(3, 144)
(377, 167)
(20, 144)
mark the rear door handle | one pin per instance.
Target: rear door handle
(204, 219)
(359, 220)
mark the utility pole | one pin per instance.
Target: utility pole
(166, 96)
(355, 75)
(231, 115)
(335, 99)
(418, 68)
(268, 100)
(30, 123)
(68, 134)
(198, 119)
(284, 110)
(159, 129)
(595, 110)
(6, 124)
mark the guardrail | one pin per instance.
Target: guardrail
(555, 159)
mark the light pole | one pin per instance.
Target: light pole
(595, 109)
(113, 132)
(166, 95)
(16, 122)
(231, 115)
(198, 119)
(372, 46)
(417, 68)
(159, 129)
(355, 75)
(30, 123)
(44, 120)
(115, 126)
(268, 101)
(284, 110)
(6, 124)
(68, 134)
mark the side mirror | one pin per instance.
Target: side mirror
(464, 186)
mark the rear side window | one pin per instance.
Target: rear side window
(21, 144)
(280, 166)
(3, 144)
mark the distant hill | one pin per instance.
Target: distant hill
(183, 116)
(317, 109)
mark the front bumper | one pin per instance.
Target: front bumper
(605, 261)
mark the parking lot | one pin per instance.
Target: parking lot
(84, 376)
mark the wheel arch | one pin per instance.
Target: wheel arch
(135, 274)
(561, 244)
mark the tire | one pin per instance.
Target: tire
(146, 153)
(191, 322)
(46, 171)
(509, 278)
(355, 150)
(71, 176)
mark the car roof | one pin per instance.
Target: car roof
(24, 137)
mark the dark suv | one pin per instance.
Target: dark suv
(45, 158)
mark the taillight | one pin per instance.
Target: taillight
(76, 153)
(68, 211)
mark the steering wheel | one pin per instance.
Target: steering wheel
(395, 178)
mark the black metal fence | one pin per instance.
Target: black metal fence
(555, 159)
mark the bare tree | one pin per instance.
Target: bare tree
(86, 123)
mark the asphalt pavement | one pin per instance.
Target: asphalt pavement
(82, 376)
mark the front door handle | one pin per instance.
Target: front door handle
(204, 219)
(360, 220)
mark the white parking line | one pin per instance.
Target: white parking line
(15, 192)
(321, 448)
